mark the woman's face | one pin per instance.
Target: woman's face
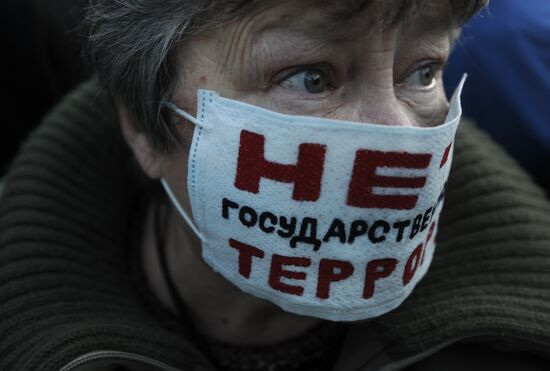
(297, 57)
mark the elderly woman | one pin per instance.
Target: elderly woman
(291, 163)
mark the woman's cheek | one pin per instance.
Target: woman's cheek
(426, 109)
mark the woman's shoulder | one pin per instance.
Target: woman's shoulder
(488, 278)
(65, 285)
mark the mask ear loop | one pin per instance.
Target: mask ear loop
(180, 209)
(183, 114)
(163, 181)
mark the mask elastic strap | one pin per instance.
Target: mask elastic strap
(180, 209)
(182, 113)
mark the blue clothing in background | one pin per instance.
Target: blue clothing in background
(506, 53)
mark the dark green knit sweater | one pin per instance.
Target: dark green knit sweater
(65, 282)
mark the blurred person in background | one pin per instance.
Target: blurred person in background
(506, 53)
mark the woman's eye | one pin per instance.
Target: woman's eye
(423, 76)
(313, 81)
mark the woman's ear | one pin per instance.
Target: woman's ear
(148, 159)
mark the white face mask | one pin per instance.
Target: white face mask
(325, 218)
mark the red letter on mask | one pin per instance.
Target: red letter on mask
(246, 252)
(376, 270)
(277, 272)
(327, 274)
(413, 263)
(364, 179)
(306, 174)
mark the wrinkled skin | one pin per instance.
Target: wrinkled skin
(290, 57)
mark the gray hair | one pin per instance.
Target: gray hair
(134, 46)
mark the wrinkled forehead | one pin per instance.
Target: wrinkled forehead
(364, 16)
(385, 13)
(344, 19)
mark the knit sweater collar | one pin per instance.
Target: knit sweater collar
(71, 194)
